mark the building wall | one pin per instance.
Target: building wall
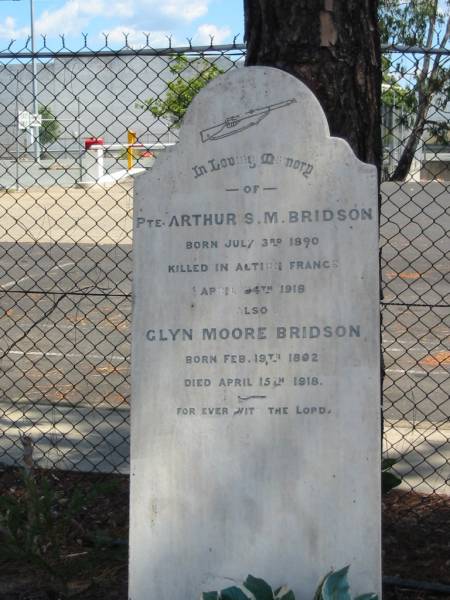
(89, 96)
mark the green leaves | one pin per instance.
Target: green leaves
(389, 480)
(335, 586)
(233, 593)
(230, 593)
(409, 22)
(284, 593)
(259, 588)
(190, 78)
(50, 129)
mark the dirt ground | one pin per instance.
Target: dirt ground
(64, 535)
(416, 542)
(59, 215)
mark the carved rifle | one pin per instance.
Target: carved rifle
(238, 123)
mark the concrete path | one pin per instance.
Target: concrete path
(87, 439)
(82, 438)
(423, 454)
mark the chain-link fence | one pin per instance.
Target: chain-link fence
(74, 128)
(415, 265)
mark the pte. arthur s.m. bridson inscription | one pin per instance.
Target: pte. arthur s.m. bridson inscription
(255, 409)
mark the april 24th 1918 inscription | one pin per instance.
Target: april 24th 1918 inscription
(255, 346)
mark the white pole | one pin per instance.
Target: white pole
(34, 131)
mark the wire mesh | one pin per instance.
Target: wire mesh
(66, 242)
(415, 264)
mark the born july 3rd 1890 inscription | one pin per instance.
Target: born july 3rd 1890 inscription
(255, 412)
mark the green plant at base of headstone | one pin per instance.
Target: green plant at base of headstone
(253, 588)
(389, 480)
(334, 586)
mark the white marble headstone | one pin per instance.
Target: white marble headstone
(255, 378)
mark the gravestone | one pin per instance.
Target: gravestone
(255, 378)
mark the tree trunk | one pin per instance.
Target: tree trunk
(332, 46)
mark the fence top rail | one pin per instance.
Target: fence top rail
(414, 49)
(85, 51)
(125, 51)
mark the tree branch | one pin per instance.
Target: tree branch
(423, 73)
(442, 45)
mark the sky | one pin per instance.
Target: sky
(181, 19)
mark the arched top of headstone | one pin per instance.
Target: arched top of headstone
(240, 101)
(256, 109)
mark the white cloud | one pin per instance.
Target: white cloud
(137, 38)
(186, 10)
(71, 17)
(75, 15)
(219, 34)
(122, 8)
(9, 30)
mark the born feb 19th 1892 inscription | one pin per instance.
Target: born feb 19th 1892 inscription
(255, 410)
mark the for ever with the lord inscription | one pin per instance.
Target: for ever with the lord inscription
(255, 411)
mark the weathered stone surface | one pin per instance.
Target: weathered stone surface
(255, 412)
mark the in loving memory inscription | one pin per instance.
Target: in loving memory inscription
(255, 411)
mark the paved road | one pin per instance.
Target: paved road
(65, 311)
